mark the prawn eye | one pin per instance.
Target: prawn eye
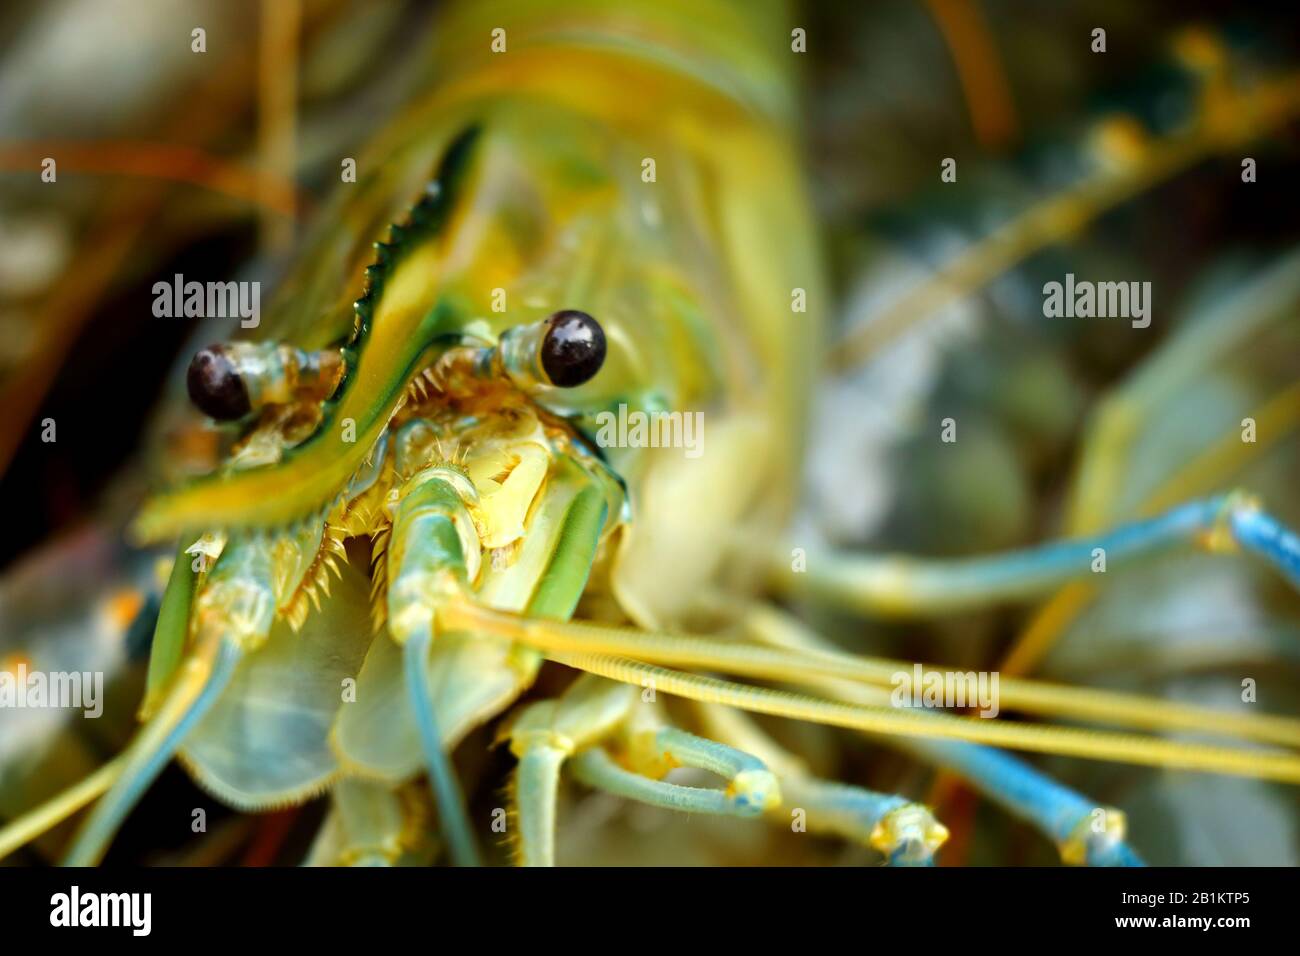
(573, 348)
(215, 385)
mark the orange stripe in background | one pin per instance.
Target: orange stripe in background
(983, 81)
(148, 160)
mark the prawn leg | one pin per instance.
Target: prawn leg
(902, 586)
(234, 615)
(58, 808)
(435, 550)
(629, 655)
(1084, 832)
(905, 832)
(547, 734)
(366, 826)
(579, 726)
(751, 788)
(433, 539)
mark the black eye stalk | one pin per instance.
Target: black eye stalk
(215, 386)
(573, 348)
(229, 380)
(564, 350)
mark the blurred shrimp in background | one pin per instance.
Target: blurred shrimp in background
(961, 157)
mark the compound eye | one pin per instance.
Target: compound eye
(573, 348)
(215, 386)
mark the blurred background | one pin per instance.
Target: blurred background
(214, 165)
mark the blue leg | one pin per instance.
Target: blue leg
(1084, 832)
(902, 585)
(151, 751)
(442, 778)
(430, 538)
(234, 613)
(905, 832)
(1267, 537)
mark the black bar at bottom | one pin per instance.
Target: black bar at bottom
(218, 907)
